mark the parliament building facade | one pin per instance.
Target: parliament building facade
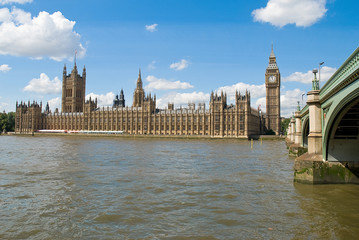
(144, 118)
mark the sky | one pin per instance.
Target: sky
(184, 48)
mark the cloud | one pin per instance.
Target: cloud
(182, 98)
(163, 84)
(302, 13)
(47, 35)
(151, 28)
(288, 102)
(152, 65)
(307, 78)
(4, 68)
(256, 91)
(54, 103)
(44, 85)
(102, 99)
(3, 2)
(179, 65)
(3, 106)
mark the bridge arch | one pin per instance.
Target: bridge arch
(305, 131)
(341, 125)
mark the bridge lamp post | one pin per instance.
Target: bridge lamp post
(320, 64)
(302, 99)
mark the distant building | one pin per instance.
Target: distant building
(143, 118)
(272, 80)
(119, 102)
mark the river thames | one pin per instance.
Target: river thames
(61, 187)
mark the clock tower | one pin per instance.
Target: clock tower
(272, 79)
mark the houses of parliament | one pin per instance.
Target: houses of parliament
(144, 118)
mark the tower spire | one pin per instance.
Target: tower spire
(272, 52)
(139, 80)
(75, 57)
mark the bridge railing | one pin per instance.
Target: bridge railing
(349, 67)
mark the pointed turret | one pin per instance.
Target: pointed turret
(139, 80)
(272, 53)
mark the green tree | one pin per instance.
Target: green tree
(270, 132)
(10, 127)
(7, 121)
(284, 125)
(3, 121)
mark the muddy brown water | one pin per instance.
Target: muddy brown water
(58, 187)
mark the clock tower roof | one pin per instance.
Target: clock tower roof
(272, 53)
(272, 60)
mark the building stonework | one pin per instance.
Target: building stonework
(142, 118)
(272, 82)
(73, 90)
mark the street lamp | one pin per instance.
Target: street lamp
(302, 99)
(320, 64)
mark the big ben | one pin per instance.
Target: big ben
(272, 79)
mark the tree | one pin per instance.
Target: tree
(7, 121)
(284, 125)
(10, 127)
(270, 132)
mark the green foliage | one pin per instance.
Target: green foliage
(270, 132)
(7, 122)
(284, 125)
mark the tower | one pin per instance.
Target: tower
(119, 102)
(217, 105)
(122, 99)
(139, 94)
(272, 81)
(73, 90)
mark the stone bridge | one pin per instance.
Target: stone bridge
(328, 128)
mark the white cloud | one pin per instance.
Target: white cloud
(182, 98)
(152, 65)
(4, 68)
(302, 13)
(256, 91)
(179, 65)
(288, 102)
(102, 99)
(44, 85)
(54, 103)
(3, 2)
(47, 35)
(152, 28)
(307, 78)
(163, 84)
(4, 106)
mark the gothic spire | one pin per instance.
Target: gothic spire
(139, 80)
(75, 57)
(272, 53)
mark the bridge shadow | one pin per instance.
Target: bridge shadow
(343, 142)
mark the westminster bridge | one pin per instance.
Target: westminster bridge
(328, 129)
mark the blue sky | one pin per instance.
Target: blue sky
(185, 48)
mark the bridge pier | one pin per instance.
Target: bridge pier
(315, 123)
(292, 126)
(298, 128)
(295, 148)
(305, 166)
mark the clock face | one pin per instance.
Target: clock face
(271, 78)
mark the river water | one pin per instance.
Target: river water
(61, 187)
